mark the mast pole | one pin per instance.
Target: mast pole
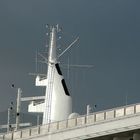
(8, 120)
(18, 108)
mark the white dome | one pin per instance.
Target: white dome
(73, 115)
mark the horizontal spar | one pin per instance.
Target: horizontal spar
(32, 98)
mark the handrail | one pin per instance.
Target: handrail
(93, 118)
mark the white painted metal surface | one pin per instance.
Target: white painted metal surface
(89, 126)
(58, 103)
(23, 99)
(36, 107)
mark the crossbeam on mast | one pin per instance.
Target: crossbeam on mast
(78, 66)
(36, 74)
(23, 99)
(14, 125)
(69, 46)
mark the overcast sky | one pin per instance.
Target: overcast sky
(109, 32)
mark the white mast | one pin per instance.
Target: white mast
(50, 77)
(58, 103)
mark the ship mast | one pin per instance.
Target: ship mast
(57, 105)
(50, 76)
(56, 90)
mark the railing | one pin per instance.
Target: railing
(94, 118)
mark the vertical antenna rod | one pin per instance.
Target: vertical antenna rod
(50, 76)
(18, 108)
(52, 46)
(8, 120)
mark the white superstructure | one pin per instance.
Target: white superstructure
(58, 102)
(59, 123)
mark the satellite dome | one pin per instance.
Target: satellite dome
(73, 115)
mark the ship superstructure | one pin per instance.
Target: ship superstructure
(58, 102)
(121, 123)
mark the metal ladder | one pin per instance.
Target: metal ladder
(48, 98)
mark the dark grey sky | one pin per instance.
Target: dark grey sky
(109, 33)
